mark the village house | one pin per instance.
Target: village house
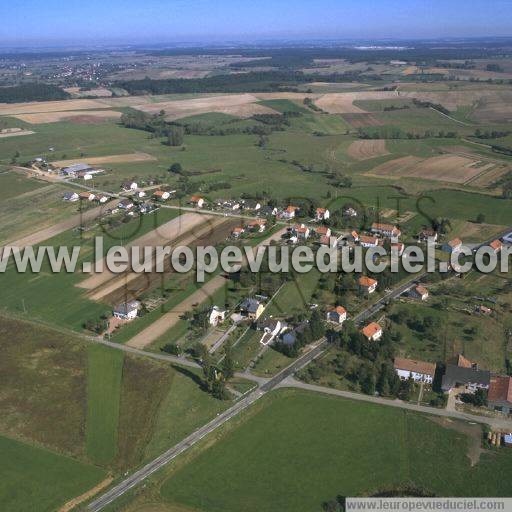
(418, 292)
(499, 396)
(337, 314)
(161, 195)
(101, 198)
(290, 337)
(454, 245)
(367, 284)
(258, 225)
(251, 204)
(289, 212)
(367, 241)
(399, 247)
(419, 371)
(87, 196)
(197, 201)
(127, 310)
(388, 230)
(355, 236)
(372, 332)
(125, 204)
(301, 231)
(251, 308)
(129, 185)
(349, 212)
(330, 241)
(323, 231)
(140, 194)
(217, 316)
(271, 328)
(267, 211)
(237, 232)
(72, 197)
(230, 205)
(428, 235)
(496, 246)
(84, 175)
(322, 214)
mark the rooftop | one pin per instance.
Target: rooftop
(412, 365)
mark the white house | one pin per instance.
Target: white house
(419, 371)
(127, 310)
(258, 225)
(217, 316)
(323, 231)
(372, 332)
(367, 284)
(161, 195)
(87, 196)
(336, 315)
(197, 201)
(454, 245)
(72, 197)
(271, 328)
(322, 214)
(129, 185)
(101, 198)
(368, 241)
(388, 230)
(140, 193)
(125, 204)
(302, 231)
(289, 212)
(419, 292)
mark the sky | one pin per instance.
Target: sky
(47, 22)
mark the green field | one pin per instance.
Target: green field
(301, 449)
(104, 374)
(36, 479)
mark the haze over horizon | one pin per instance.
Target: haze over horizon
(35, 22)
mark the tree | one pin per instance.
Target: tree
(172, 348)
(228, 364)
(480, 218)
(176, 168)
(175, 135)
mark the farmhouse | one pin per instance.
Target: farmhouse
(386, 230)
(428, 235)
(125, 204)
(258, 225)
(337, 314)
(85, 175)
(266, 211)
(367, 284)
(101, 198)
(73, 170)
(323, 231)
(301, 231)
(161, 195)
(289, 212)
(368, 241)
(453, 245)
(372, 332)
(217, 316)
(322, 214)
(129, 185)
(419, 292)
(251, 204)
(499, 397)
(470, 378)
(251, 308)
(87, 196)
(72, 197)
(496, 246)
(197, 201)
(127, 310)
(237, 232)
(419, 371)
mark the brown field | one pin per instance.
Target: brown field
(241, 105)
(342, 103)
(7, 109)
(80, 117)
(449, 168)
(361, 120)
(366, 149)
(109, 159)
(100, 92)
(15, 134)
(168, 320)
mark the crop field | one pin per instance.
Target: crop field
(33, 478)
(328, 437)
(366, 149)
(8, 109)
(110, 159)
(72, 116)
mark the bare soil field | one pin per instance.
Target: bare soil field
(449, 168)
(342, 103)
(7, 109)
(168, 320)
(100, 92)
(79, 117)
(110, 159)
(4, 135)
(366, 149)
(361, 120)
(241, 105)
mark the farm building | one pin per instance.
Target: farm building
(454, 245)
(367, 241)
(419, 292)
(127, 310)
(419, 371)
(428, 235)
(386, 230)
(258, 225)
(470, 378)
(337, 314)
(323, 231)
(161, 195)
(197, 201)
(372, 332)
(499, 397)
(87, 196)
(73, 170)
(322, 214)
(72, 197)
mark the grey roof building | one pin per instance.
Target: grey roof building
(473, 378)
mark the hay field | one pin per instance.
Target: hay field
(240, 105)
(4, 135)
(8, 109)
(109, 159)
(100, 92)
(361, 120)
(449, 168)
(76, 116)
(342, 103)
(366, 149)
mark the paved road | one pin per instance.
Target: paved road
(498, 423)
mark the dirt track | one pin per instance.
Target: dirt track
(111, 159)
(168, 320)
(74, 221)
